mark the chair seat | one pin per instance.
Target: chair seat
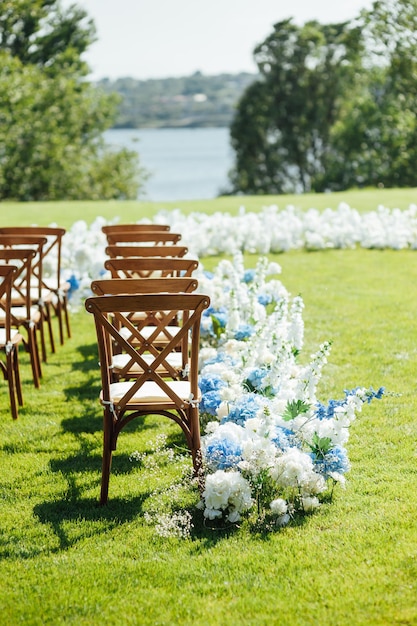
(15, 336)
(19, 312)
(121, 360)
(150, 392)
(147, 331)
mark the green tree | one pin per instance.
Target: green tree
(281, 130)
(51, 118)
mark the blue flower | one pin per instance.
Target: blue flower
(221, 357)
(285, 438)
(210, 382)
(327, 412)
(244, 332)
(255, 377)
(223, 454)
(210, 402)
(244, 408)
(249, 276)
(335, 460)
(370, 393)
(265, 299)
(74, 284)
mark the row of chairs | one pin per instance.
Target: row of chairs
(31, 294)
(147, 319)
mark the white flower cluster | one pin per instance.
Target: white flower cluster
(268, 231)
(270, 445)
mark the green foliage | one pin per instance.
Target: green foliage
(295, 408)
(189, 101)
(334, 108)
(51, 118)
(65, 560)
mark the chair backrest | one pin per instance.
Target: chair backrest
(21, 280)
(126, 228)
(118, 286)
(111, 313)
(52, 251)
(37, 244)
(7, 274)
(146, 251)
(143, 237)
(150, 267)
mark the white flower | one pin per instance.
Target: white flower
(310, 503)
(278, 506)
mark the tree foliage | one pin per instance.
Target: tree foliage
(334, 107)
(51, 118)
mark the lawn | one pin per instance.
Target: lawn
(65, 560)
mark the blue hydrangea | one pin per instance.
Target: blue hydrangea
(223, 454)
(264, 299)
(74, 284)
(256, 376)
(335, 460)
(249, 276)
(285, 438)
(244, 332)
(221, 357)
(210, 382)
(246, 407)
(210, 402)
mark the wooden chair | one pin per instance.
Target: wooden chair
(37, 243)
(24, 313)
(150, 393)
(135, 267)
(125, 228)
(10, 339)
(155, 237)
(54, 290)
(123, 367)
(115, 252)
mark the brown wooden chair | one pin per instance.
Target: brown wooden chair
(23, 313)
(10, 339)
(126, 228)
(143, 237)
(123, 367)
(54, 290)
(149, 393)
(136, 267)
(115, 252)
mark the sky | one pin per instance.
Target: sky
(169, 38)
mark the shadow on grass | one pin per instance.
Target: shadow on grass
(74, 520)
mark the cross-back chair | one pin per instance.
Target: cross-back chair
(125, 228)
(54, 290)
(10, 339)
(23, 313)
(143, 237)
(150, 393)
(38, 244)
(146, 251)
(123, 366)
(135, 267)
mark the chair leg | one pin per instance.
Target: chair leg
(17, 376)
(66, 315)
(107, 454)
(32, 348)
(48, 318)
(12, 384)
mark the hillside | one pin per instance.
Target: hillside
(190, 101)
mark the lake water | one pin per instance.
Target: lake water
(184, 163)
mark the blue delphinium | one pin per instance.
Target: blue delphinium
(246, 407)
(223, 454)
(370, 393)
(243, 332)
(324, 412)
(334, 461)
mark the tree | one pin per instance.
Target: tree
(51, 118)
(282, 125)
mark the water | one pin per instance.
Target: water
(184, 163)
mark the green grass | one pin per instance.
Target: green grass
(65, 560)
(66, 213)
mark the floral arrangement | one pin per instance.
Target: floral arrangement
(271, 449)
(270, 230)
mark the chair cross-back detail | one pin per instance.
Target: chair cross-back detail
(37, 293)
(146, 251)
(175, 365)
(150, 392)
(135, 267)
(10, 339)
(54, 291)
(24, 314)
(143, 237)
